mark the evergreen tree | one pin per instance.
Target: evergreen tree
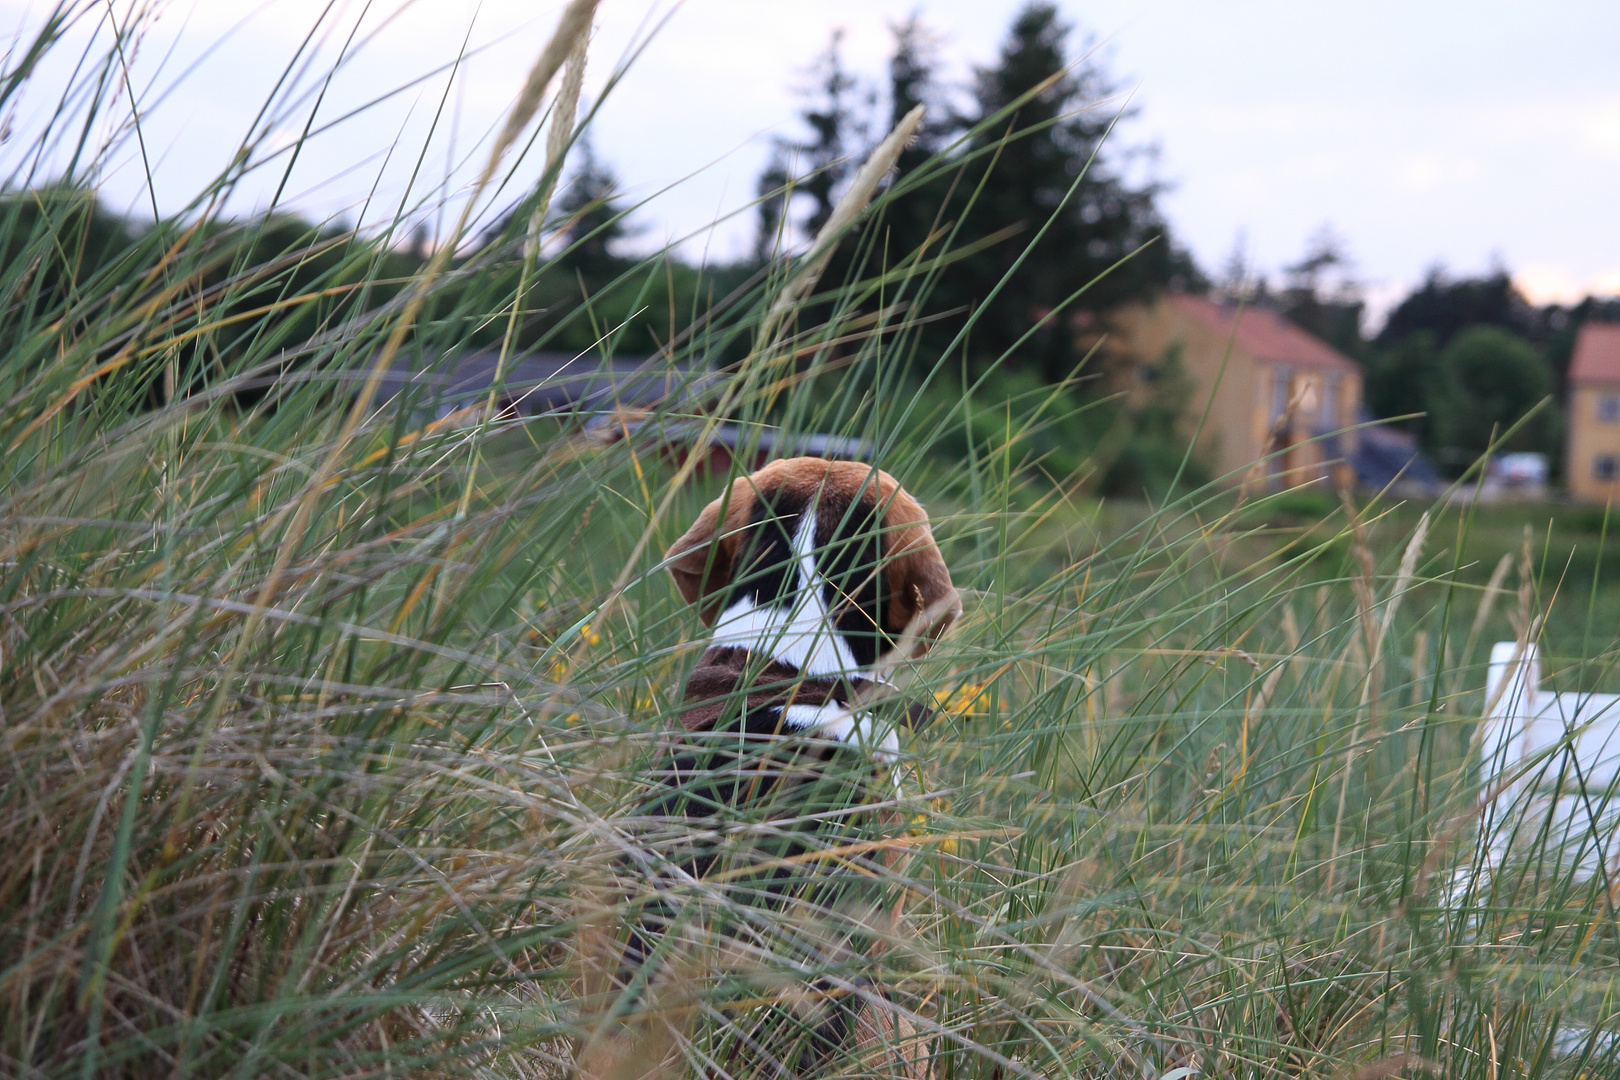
(594, 219)
(1322, 297)
(913, 81)
(773, 195)
(814, 170)
(912, 216)
(1038, 150)
(1445, 307)
(1236, 282)
(1053, 171)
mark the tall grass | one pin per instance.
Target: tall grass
(324, 724)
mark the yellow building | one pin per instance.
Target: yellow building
(1284, 394)
(1593, 463)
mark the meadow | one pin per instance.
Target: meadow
(325, 713)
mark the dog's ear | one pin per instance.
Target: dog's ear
(920, 603)
(701, 561)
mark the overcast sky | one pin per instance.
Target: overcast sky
(1473, 134)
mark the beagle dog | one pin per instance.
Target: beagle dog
(817, 578)
(822, 571)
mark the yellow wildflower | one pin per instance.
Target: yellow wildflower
(965, 701)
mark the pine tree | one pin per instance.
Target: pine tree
(913, 81)
(773, 196)
(1039, 149)
(911, 217)
(1322, 296)
(814, 170)
(1445, 306)
(594, 219)
(1053, 170)
(1236, 281)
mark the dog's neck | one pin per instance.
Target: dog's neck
(800, 633)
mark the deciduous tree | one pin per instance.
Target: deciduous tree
(1487, 381)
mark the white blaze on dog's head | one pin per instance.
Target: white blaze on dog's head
(824, 565)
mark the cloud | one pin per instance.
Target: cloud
(1272, 116)
(1602, 130)
(1432, 172)
(1545, 283)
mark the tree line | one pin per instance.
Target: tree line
(1465, 363)
(1024, 212)
(1062, 226)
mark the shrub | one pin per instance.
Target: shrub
(1491, 384)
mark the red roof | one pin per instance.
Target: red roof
(1264, 334)
(1597, 355)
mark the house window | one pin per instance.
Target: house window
(1609, 408)
(1330, 402)
(1606, 467)
(1280, 387)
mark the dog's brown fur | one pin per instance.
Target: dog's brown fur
(702, 560)
(754, 690)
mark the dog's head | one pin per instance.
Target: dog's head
(846, 532)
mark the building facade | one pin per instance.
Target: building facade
(1592, 461)
(1281, 403)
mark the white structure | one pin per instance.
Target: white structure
(1524, 471)
(1550, 769)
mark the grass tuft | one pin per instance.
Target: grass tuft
(326, 709)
